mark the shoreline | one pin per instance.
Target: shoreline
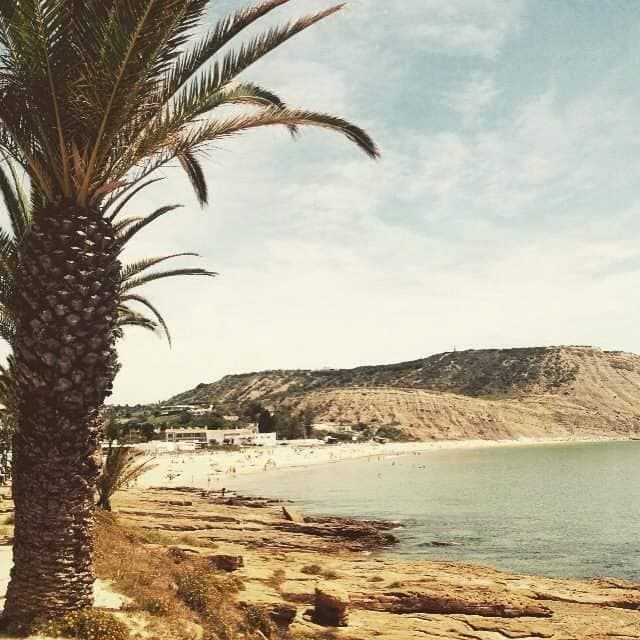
(282, 563)
(205, 470)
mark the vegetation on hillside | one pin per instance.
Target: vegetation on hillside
(286, 423)
(477, 373)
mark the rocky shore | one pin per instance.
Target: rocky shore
(318, 572)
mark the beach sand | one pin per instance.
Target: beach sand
(206, 470)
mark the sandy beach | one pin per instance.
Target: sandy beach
(211, 469)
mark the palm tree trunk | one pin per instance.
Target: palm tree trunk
(65, 363)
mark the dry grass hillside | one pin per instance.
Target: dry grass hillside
(489, 393)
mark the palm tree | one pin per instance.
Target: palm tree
(133, 275)
(96, 96)
(120, 466)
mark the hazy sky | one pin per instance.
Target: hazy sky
(505, 210)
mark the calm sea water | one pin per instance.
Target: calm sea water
(562, 510)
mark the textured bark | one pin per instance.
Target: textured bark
(64, 366)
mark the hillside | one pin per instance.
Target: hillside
(488, 393)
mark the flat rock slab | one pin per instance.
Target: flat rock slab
(388, 599)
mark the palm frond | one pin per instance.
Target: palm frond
(133, 269)
(139, 45)
(95, 95)
(7, 326)
(289, 117)
(194, 172)
(128, 317)
(14, 200)
(238, 60)
(8, 266)
(136, 227)
(121, 466)
(194, 138)
(38, 57)
(133, 283)
(23, 209)
(121, 225)
(128, 197)
(133, 297)
(191, 62)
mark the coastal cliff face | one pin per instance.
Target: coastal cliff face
(576, 392)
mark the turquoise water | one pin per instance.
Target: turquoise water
(562, 510)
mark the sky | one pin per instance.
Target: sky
(504, 211)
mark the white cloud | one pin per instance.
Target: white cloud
(452, 27)
(547, 152)
(478, 93)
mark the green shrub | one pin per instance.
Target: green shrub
(203, 591)
(258, 618)
(195, 590)
(177, 554)
(393, 433)
(211, 595)
(157, 606)
(85, 624)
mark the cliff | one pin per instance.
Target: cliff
(490, 393)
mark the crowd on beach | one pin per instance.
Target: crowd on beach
(206, 469)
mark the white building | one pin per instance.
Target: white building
(191, 409)
(265, 439)
(199, 411)
(186, 435)
(204, 437)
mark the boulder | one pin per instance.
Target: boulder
(226, 562)
(355, 535)
(283, 614)
(331, 607)
(291, 514)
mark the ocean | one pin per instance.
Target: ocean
(568, 510)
